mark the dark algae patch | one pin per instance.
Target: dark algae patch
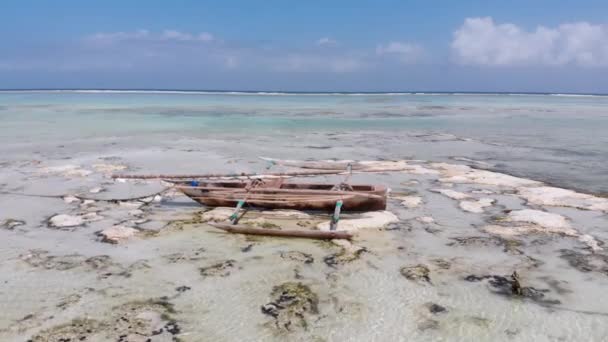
(418, 273)
(298, 256)
(586, 262)
(247, 248)
(193, 255)
(511, 286)
(76, 330)
(138, 319)
(292, 305)
(11, 224)
(133, 321)
(221, 269)
(436, 308)
(343, 257)
(442, 263)
(183, 288)
(42, 259)
(102, 264)
(509, 245)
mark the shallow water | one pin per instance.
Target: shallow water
(560, 139)
(52, 276)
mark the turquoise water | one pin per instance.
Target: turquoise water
(556, 138)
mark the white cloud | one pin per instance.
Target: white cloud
(150, 50)
(145, 35)
(326, 41)
(182, 36)
(480, 41)
(406, 52)
(231, 62)
(109, 37)
(297, 62)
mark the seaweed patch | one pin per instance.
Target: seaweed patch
(193, 255)
(343, 256)
(586, 262)
(102, 264)
(509, 245)
(76, 330)
(292, 304)
(511, 287)
(221, 269)
(298, 256)
(436, 308)
(418, 273)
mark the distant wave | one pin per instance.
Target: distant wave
(203, 92)
(279, 93)
(579, 95)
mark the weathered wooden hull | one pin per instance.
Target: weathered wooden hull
(296, 196)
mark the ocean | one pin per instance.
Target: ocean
(494, 230)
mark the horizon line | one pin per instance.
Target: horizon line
(291, 92)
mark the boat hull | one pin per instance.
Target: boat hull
(296, 196)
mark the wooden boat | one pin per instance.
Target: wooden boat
(309, 234)
(275, 194)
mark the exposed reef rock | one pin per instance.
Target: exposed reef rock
(551, 196)
(529, 221)
(552, 222)
(410, 202)
(451, 173)
(64, 221)
(368, 220)
(476, 206)
(453, 194)
(425, 219)
(116, 234)
(222, 214)
(67, 171)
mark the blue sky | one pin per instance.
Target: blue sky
(551, 46)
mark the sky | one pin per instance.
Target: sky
(441, 45)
